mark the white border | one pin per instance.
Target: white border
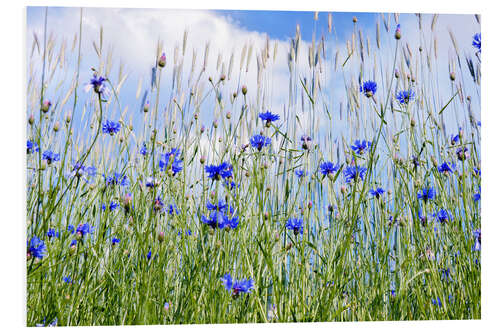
(13, 116)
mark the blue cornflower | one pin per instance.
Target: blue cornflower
(172, 209)
(359, 147)
(299, 173)
(477, 171)
(111, 127)
(295, 224)
(229, 222)
(259, 141)
(477, 240)
(84, 229)
(462, 153)
(354, 173)
(71, 228)
(427, 193)
(50, 156)
(171, 161)
(96, 83)
(80, 170)
(73, 243)
(149, 255)
(455, 138)
(115, 241)
(444, 216)
(476, 41)
(328, 168)
(52, 233)
(151, 182)
(221, 206)
(477, 196)
(268, 117)
(31, 147)
(445, 167)
(144, 150)
(213, 220)
(377, 192)
(112, 206)
(437, 302)
(116, 179)
(218, 172)
(237, 286)
(368, 88)
(36, 248)
(422, 217)
(158, 204)
(67, 279)
(230, 184)
(405, 96)
(306, 142)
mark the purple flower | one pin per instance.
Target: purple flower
(354, 173)
(268, 117)
(445, 168)
(259, 141)
(295, 224)
(328, 168)
(405, 96)
(377, 192)
(111, 127)
(368, 88)
(218, 172)
(237, 286)
(31, 147)
(36, 248)
(171, 161)
(359, 147)
(427, 194)
(50, 156)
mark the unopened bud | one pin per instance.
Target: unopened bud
(161, 236)
(45, 106)
(452, 76)
(162, 61)
(203, 159)
(244, 90)
(228, 115)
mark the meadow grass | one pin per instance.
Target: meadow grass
(358, 255)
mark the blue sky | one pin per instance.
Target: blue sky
(132, 34)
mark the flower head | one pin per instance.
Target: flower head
(300, 173)
(354, 173)
(111, 127)
(405, 96)
(84, 229)
(259, 141)
(306, 142)
(171, 161)
(295, 224)
(462, 153)
(328, 168)
(268, 117)
(477, 240)
(97, 84)
(237, 286)
(50, 156)
(112, 206)
(443, 216)
(445, 167)
(377, 192)
(476, 41)
(116, 179)
(359, 147)
(115, 241)
(218, 172)
(144, 150)
(158, 204)
(31, 147)
(36, 248)
(52, 233)
(172, 209)
(368, 88)
(427, 193)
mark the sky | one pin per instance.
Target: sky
(132, 36)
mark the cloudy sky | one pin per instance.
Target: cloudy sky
(131, 37)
